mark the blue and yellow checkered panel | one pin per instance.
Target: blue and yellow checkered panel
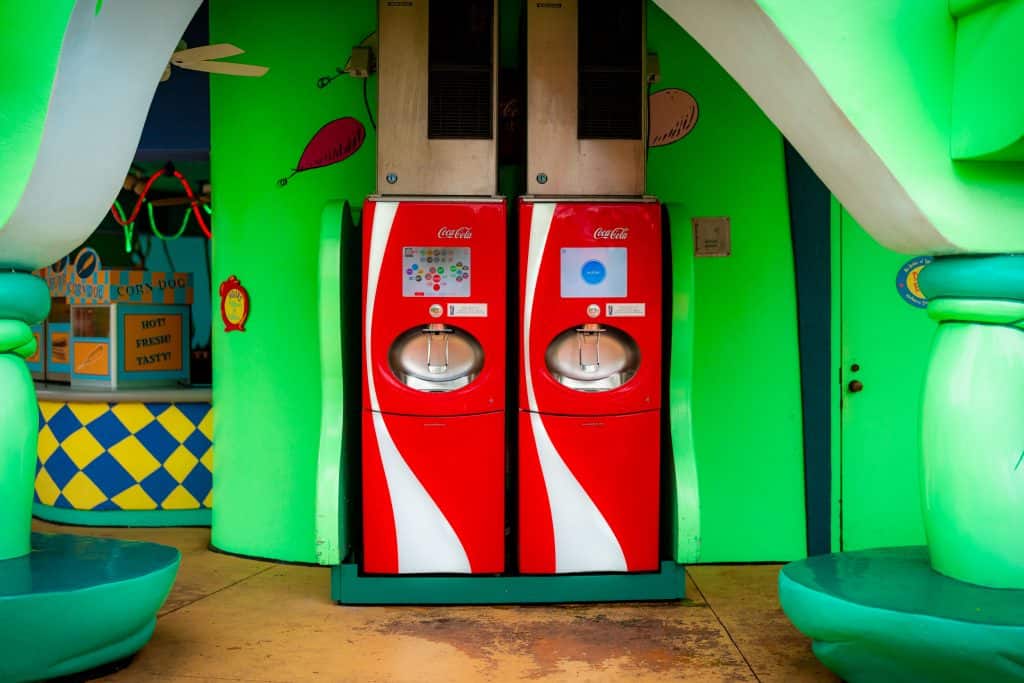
(125, 456)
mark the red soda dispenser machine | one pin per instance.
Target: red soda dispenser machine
(590, 298)
(434, 299)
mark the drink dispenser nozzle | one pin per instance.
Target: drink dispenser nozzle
(589, 339)
(437, 347)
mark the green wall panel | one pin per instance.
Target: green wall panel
(745, 395)
(889, 340)
(267, 379)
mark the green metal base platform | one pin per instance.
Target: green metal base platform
(349, 587)
(75, 603)
(122, 518)
(885, 615)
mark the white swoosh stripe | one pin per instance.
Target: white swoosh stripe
(540, 226)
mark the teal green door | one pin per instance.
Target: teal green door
(884, 342)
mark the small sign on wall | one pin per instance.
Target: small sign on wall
(152, 342)
(234, 304)
(712, 236)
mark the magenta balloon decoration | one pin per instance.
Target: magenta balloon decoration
(336, 141)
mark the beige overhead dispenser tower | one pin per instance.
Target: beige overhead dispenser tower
(437, 97)
(586, 98)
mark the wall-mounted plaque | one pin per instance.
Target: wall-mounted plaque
(712, 236)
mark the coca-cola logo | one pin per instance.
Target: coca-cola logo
(463, 233)
(612, 234)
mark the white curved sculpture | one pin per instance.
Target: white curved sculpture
(109, 67)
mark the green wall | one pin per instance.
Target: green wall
(267, 379)
(745, 394)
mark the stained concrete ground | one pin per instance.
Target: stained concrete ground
(234, 619)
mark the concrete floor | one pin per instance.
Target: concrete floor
(232, 619)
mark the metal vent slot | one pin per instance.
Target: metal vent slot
(611, 70)
(461, 70)
(460, 103)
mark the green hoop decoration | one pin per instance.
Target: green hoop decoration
(152, 224)
(128, 228)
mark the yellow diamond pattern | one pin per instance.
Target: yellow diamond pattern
(180, 463)
(133, 416)
(179, 426)
(131, 453)
(87, 412)
(46, 489)
(49, 409)
(180, 499)
(82, 493)
(134, 498)
(82, 447)
(134, 458)
(206, 426)
(47, 444)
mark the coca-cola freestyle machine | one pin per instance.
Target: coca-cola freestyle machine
(590, 299)
(434, 299)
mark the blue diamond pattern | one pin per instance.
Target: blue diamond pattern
(35, 497)
(61, 468)
(64, 423)
(108, 475)
(63, 502)
(198, 482)
(195, 412)
(157, 408)
(107, 429)
(158, 485)
(42, 420)
(197, 443)
(158, 441)
(107, 505)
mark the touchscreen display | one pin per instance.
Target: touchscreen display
(593, 272)
(435, 271)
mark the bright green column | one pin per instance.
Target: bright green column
(973, 420)
(24, 301)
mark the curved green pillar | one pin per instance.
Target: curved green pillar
(24, 301)
(973, 420)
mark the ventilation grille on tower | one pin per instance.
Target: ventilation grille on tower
(611, 69)
(461, 69)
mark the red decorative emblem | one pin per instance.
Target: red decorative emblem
(234, 304)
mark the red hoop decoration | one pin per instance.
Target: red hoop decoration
(122, 221)
(234, 304)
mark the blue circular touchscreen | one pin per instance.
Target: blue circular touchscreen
(593, 272)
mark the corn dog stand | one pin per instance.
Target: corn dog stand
(126, 441)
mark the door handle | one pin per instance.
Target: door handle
(856, 386)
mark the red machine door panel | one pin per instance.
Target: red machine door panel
(433, 494)
(591, 307)
(588, 493)
(434, 307)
